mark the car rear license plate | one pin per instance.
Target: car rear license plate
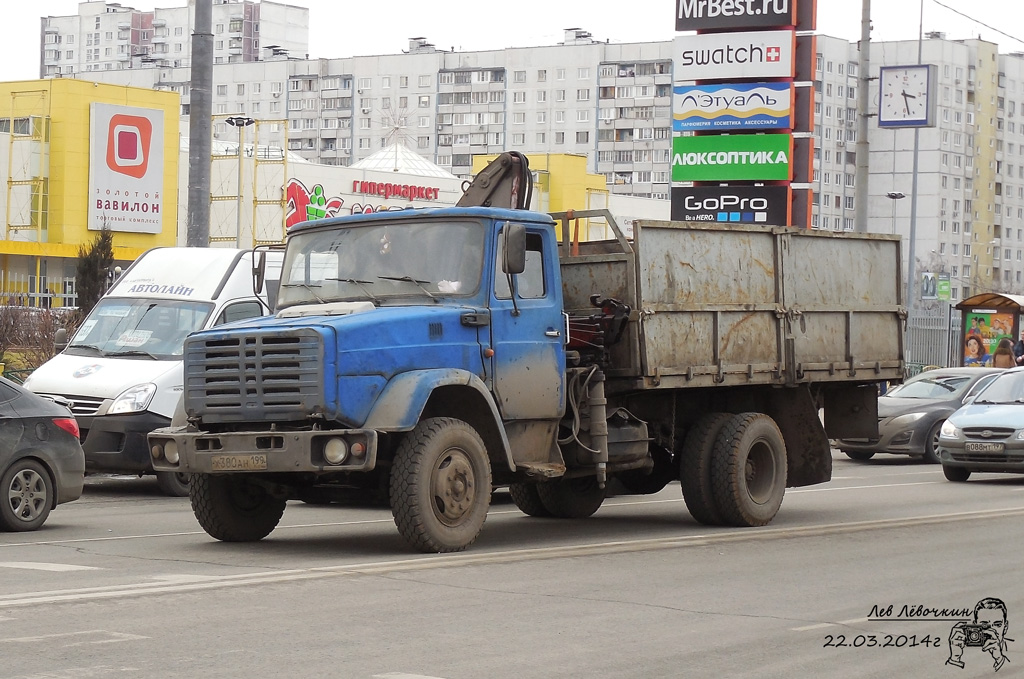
(973, 447)
(239, 463)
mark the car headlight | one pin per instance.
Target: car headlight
(949, 431)
(904, 420)
(133, 400)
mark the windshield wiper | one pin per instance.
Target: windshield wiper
(410, 279)
(360, 284)
(132, 352)
(986, 401)
(304, 285)
(86, 346)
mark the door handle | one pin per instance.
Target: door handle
(552, 333)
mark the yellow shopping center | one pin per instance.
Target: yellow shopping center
(78, 157)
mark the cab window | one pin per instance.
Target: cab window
(240, 311)
(530, 283)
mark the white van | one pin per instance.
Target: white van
(122, 370)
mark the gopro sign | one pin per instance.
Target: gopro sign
(699, 15)
(765, 205)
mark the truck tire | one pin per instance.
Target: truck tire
(441, 485)
(695, 468)
(232, 508)
(649, 481)
(527, 498)
(956, 474)
(571, 498)
(173, 484)
(748, 470)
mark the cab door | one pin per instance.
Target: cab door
(527, 335)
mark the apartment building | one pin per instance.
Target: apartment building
(108, 36)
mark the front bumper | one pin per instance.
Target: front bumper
(905, 440)
(1010, 460)
(117, 443)
(261, 452)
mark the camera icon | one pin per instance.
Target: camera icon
(974, 635)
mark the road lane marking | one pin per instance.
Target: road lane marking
(105, 637)
(880, 485)
(54, 567)
(823, 625)
(403, 675)
(433, 561)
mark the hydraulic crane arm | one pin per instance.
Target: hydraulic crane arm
(505, 182)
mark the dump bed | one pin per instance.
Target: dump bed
(715, 304)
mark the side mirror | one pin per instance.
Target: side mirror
(259, 271)
(60, 339)
(514, 248)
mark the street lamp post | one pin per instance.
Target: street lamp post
(894, 196)
(241, 122)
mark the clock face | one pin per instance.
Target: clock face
(904, 96)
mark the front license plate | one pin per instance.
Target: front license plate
(983, 447)
(239, 463)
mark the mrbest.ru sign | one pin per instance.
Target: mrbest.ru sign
(699, 15)
(740, 106)
(742, 157)
(768, 205)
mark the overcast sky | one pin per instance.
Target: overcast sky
(343, 28)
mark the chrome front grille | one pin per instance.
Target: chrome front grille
(254, 377)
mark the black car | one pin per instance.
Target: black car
(911, 415)
(42, 463)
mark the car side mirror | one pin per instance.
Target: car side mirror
(259, 271)
(60, 339)
(514, 249)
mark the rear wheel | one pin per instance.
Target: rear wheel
(233, 508)
(528, 500)
(441, 485)
(571, 498)
(695, 468)
(859, 455)
(27, 495)
(174, 484)
(931, 443)
(748, 470)
(956, 474)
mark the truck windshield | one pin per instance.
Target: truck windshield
(142, 328)
(383, 262)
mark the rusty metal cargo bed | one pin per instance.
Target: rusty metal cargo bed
(735, 305)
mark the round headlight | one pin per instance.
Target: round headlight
(157, 451)
(335, 451)
(171, 452)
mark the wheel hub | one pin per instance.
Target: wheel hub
(452, 485)
(27, 495)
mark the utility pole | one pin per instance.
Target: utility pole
(200, 127)
(912, 254)
(860, 222)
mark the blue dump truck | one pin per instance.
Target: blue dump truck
(435, 355)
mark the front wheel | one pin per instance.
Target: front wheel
(27, 496)
(441, 485)
(859, 455)
(748, 470)
(575, 498)
(233, 508)
(931, 443)
(956, 474)
(174, 484)
(527, 498)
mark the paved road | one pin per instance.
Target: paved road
(123, 583)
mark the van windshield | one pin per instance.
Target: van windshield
(382, 262)
(143, 328)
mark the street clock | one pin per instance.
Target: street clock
(906, 96)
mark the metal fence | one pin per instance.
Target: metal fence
(932, 338)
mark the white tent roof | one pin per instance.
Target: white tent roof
(399, 158)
